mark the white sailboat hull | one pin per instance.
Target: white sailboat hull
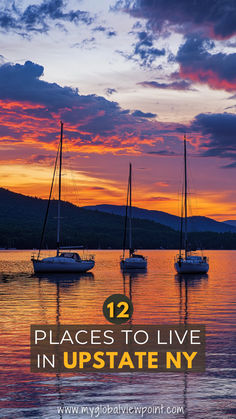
(133, 263)
(187, 267)
(54, 265)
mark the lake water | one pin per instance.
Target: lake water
(159, 297)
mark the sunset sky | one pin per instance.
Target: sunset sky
(128, 78)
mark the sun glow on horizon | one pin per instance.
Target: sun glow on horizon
(82, 188)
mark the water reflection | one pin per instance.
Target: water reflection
(129, 278)
(64, 279)
(158, 296)
(59, 283)
(191, 280)
(8, 277)
(187, 282)
(62, 282)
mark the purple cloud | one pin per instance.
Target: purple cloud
(218, 131)
(213, 18)
(176, 85)
(144, 52)
(198, 64)
(140, 114)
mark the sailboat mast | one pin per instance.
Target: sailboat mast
(185, 199)
(130, 209)
(181, 224)
(59, 193)
(126, 217)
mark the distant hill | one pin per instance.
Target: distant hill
(21, 221)
(195, 224)
(230, 222)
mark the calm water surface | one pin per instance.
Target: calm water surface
(159, 297)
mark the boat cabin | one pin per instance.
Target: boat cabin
(194, 257)
(137, 256)
(75, 256)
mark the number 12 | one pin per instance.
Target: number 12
(123, 314)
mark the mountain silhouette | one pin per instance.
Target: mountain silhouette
(195, 224)
(21, 222)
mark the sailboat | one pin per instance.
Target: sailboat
(134, 261)
(63, 261)
(188, 263)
